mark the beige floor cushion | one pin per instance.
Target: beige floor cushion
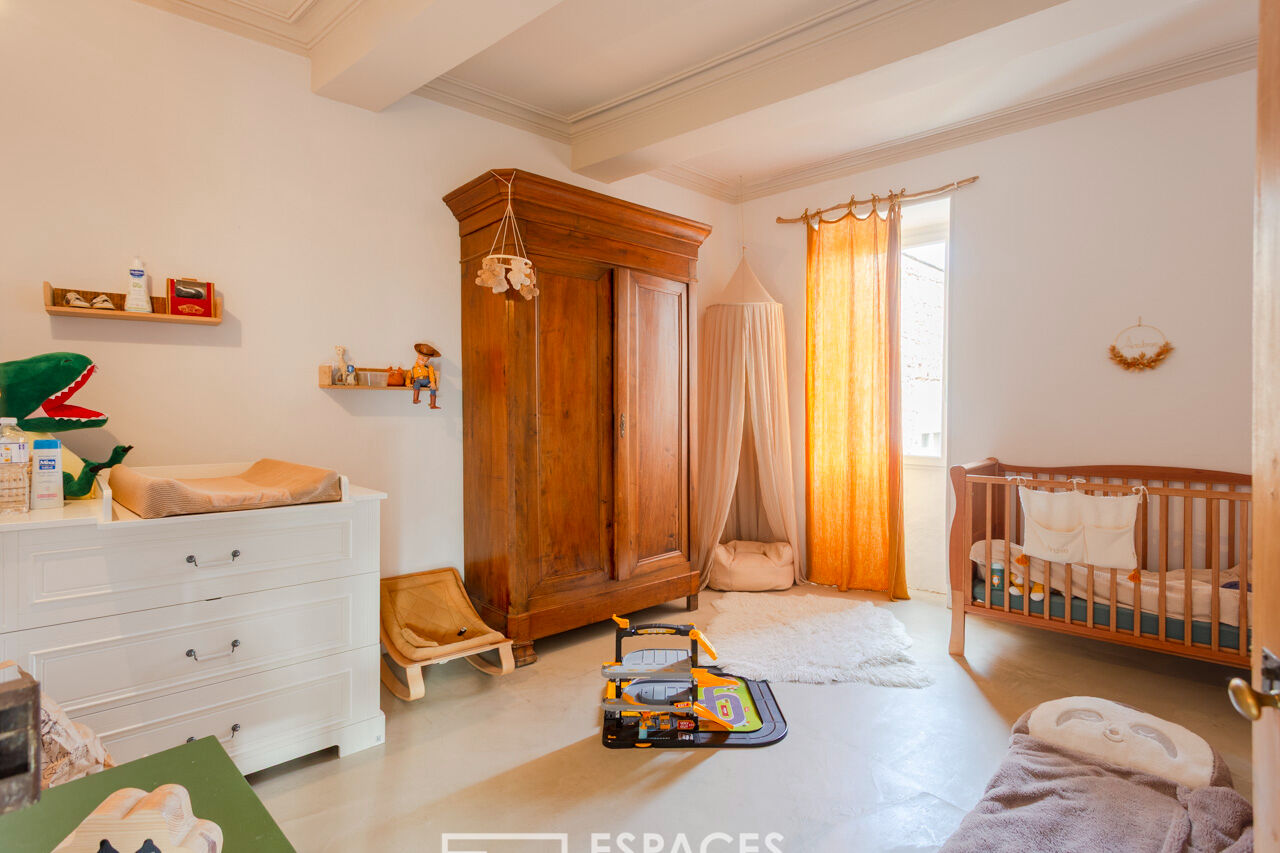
(752, 566)
(267, 482)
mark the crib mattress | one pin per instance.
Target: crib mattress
(1174, 628)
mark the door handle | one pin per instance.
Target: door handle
(235, 555)
(1250, 702)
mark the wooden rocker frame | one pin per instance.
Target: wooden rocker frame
(413, 686)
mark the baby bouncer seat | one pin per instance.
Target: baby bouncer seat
(427, 618)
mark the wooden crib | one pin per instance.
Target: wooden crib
(1189, 519)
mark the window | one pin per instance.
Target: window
(925, 230)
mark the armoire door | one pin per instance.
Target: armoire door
(651, 346)
(572, 545)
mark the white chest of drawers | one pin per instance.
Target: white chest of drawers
(257, 626)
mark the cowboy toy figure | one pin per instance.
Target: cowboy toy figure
(424, 374)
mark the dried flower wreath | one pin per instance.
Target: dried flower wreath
(1141, 361)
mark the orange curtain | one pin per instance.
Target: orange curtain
(853, 427)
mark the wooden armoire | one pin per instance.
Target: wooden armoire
(577, 409)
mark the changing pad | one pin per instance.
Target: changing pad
(267, 483)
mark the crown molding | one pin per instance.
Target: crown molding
(500, 108)
(699, 181)
(261, 24)
(300, 8)
(1188, 71)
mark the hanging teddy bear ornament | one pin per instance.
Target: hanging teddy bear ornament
(501, 271)
(1140, 347)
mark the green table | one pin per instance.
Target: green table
(218, 793)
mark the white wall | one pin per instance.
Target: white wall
(1074, 230)
(130, 130)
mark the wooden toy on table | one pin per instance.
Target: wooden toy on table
(134, 821)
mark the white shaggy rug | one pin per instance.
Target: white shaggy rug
(813, 639)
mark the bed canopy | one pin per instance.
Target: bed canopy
(745, 485)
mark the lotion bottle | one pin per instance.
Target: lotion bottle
(138, 296)
(46, 473)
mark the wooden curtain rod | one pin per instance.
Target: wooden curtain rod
(902, 196)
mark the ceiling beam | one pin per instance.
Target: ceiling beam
(668, 126)
(385, 49)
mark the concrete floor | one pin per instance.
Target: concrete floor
(862, 768)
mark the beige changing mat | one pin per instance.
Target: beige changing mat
(267, 483)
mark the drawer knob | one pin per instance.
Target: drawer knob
(235, 555)
(234, 730)
(191, 653)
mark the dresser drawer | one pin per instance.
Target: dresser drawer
(252, 716)
(82, 573)
(100, 663)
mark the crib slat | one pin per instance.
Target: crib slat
(1231, 527)
(1088, 594)
(1017, 520)
(991, 568)
(1208, 544)
(1137, 600)
(1211, 544)
(1008, 542)
(968, 528)
(1163, 526)
(1142, 564)
(1188, 505)
(1142, 531)
(1048, 599)
(1113, 627)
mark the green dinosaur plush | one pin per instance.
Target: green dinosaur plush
(36, 390)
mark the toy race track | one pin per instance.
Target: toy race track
(662, 698)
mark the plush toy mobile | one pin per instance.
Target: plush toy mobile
(37, 392)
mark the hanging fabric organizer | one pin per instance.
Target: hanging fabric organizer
(1076, 527)
(746, 489)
